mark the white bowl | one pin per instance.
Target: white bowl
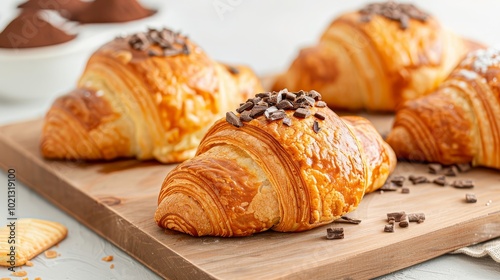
(47, 72)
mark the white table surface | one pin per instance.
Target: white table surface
(265, 35)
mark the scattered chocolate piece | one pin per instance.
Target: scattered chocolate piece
(290, 96)
(435, 168)
(284, 104)
(302, 113)
(401, 13)
(416, 217)
(170, 43)
(441, 181)
(287, 121)
(419, 180)
(404, 222)
(464, 167)
(405, 190)
(316, 127)
(263, 94)
(320, 104)
(470, 198)
(388, 186)
(257, 110)
(389, 228)
(232, 70)
(245, 116)
(335, 233)
(347, 220)
(269, 111)
(315, 95)
(246, 106)
(278, 115)
(233, 119)
(463, 184)
(398, 180)
(451, 171)
(319, 115)
(396, 216)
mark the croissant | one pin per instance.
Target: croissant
(150, 95)
(275, 168)
(376, 58)
(459, 122)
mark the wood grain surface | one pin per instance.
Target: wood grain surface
(118, 199)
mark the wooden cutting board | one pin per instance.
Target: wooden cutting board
(118, 200)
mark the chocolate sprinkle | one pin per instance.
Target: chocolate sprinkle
(316, 127)
(389, 228)
(334, 233)
(463, 184)
(320, 115)
(233, 119)
(441, 181)
(347, 220)
(159, 42)
(398, 12)
(398, 180)
(287, 121)
(302, 113)
(470, 198)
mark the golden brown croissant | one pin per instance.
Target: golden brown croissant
(149, 95)
(275, 168)
(376, 58)
(460, 122)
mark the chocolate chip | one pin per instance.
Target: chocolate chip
(435, 168)
(278, 115)
(451, 171)
(232, 70)
(319, 115)
(262, 94)
(316, 127)
(320, 104)
(334, 233)
(388, 186)
(464, 167)
(398, 180)
(245, 116)
(416, 217)
(287, 121)
(284, 104)
(257, 110)
(396, 216)
(315, 95)
(290, 96)
(463, 184)
(389, 228)
(159, 42)
(404, 222)
(400, 12)
(441, 181)
(269, 111)
(470, 198)
(347, 220)
(244, 107)
(405, 190)
(233, 119)
(419, 180)
(302, 113)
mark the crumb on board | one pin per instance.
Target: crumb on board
(107, 258)
(19, 273)
(29, 263)
(50, 254)
(112, 266)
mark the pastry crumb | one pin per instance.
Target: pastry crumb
(107, 258)
(112, 266)
(26, 278)
(38, 278)
(19, 273)
(5, 278)
(28, 263)
(50, 254)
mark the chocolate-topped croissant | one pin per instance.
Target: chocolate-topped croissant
(286, 162)
(150, 95)
(460, 122)
(376, 58)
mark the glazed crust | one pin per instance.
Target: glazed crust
(456, 124)
(266, 175)
(375, 65)
(129, 104)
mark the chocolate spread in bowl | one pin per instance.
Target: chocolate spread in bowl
(108, 11)
(29, 30)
